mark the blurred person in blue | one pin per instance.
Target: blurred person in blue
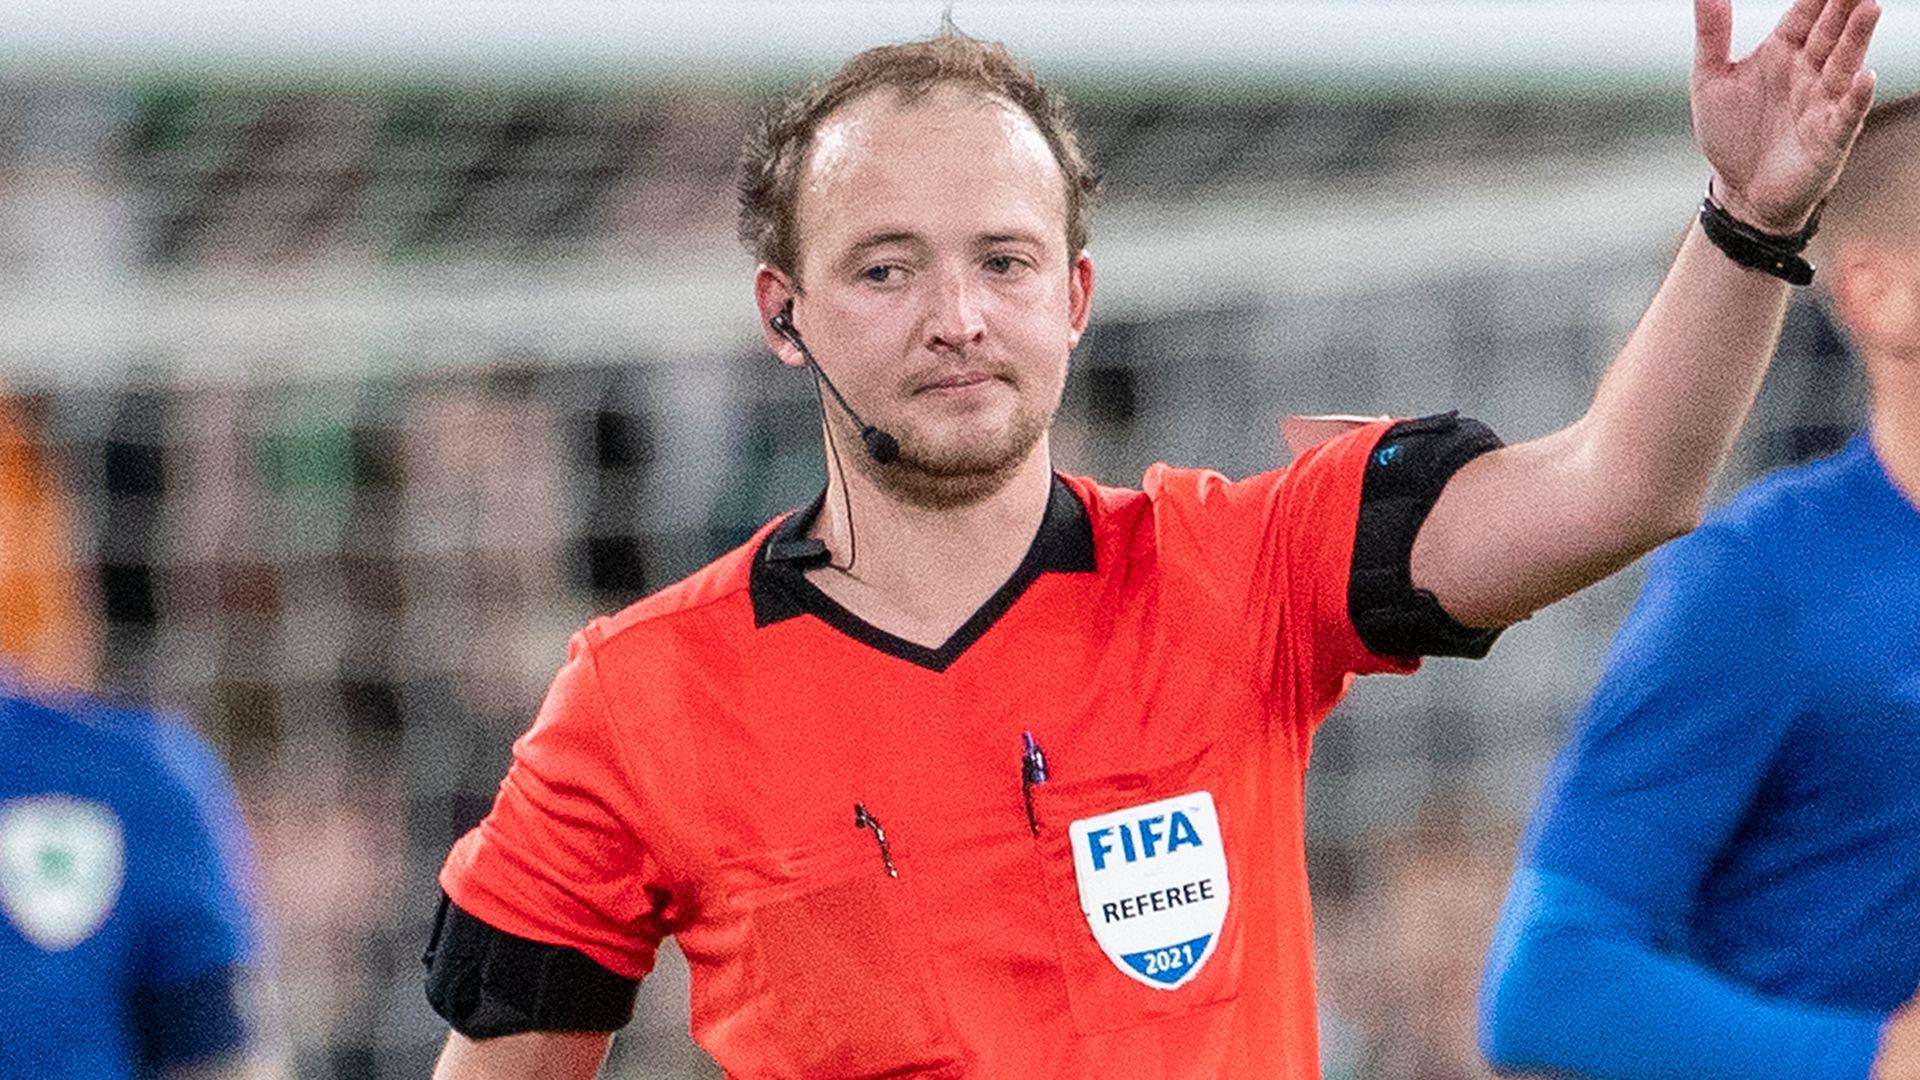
(126, 936)
(1723, 876)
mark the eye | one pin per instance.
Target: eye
(879, 275)
(1002, 264)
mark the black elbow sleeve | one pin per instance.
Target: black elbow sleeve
(1405, 474)
(486, 982)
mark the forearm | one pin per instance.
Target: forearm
(1518, 529)
(1573, 988)
(1633, 472)
(1668, 409)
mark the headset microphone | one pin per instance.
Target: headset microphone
(882, 447)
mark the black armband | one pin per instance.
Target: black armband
(486, 982)
(1405, 474)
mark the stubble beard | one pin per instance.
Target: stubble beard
(936, 475)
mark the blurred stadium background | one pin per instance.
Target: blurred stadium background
(356, 353)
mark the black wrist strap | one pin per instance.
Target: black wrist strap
(1756, 250)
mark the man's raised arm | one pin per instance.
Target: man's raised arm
(1521, 527)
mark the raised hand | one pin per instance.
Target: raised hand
(1778, 125)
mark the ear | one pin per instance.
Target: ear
(773, 290)
(1079, 297)
(1875, 295)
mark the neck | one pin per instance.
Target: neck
(974, 546)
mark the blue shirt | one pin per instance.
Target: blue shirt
(1723, 875)
(122, 911)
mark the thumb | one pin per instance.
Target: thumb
(1712, 34)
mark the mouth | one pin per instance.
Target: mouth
(955, 381)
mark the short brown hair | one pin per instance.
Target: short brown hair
(1874, 195)
(776, 151)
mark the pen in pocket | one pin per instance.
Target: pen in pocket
(1033, 771)
(864, 820)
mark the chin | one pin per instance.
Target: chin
(976, 449)
(954, 468)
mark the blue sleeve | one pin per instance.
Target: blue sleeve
(197, 903)
(1574, 986)
(190, 1023)
(1661, 768)
(188, 758)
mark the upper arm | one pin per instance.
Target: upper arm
(1353, 509)
(555, 905)
(1315, 559)
(1529, 524)
(1657, 779)
(1668, 755)
(547, 1055)
(1272, 553)
(199, 916)
(187, 997)
(1407, 472)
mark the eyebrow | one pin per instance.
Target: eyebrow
(1008, 238)
(901, 236)
(875, 240)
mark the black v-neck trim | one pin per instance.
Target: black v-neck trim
(780, 589)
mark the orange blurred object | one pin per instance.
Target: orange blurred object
(46, 631)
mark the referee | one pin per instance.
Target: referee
(973, 769)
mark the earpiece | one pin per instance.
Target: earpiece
(882, 447)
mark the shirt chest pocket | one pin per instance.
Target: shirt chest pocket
(828, 974)
(1136, 870)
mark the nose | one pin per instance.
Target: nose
(956, 320)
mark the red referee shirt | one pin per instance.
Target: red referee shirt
(697, 766)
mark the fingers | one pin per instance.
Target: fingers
(1850, 112)
(1713, 32)
(1798, 22)
(1826, 33)
(1859, 96)
(1851, 51)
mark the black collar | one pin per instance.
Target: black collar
(780, 589)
